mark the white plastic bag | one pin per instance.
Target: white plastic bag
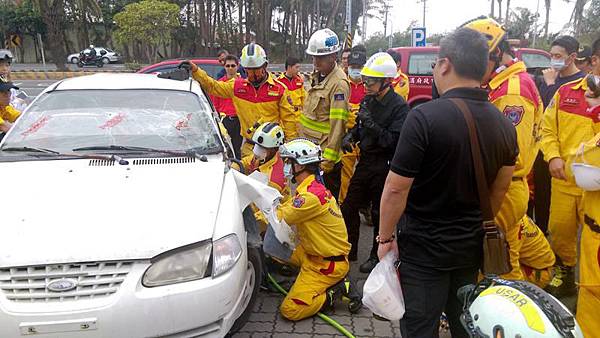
(382, 293)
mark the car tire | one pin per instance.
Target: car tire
(105, 61)
(255, 264)
(74, 60)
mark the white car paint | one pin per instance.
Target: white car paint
(70, 213)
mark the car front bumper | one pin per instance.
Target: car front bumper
(202, 308)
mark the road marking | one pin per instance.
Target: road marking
(17, 83)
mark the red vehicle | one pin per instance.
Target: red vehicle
(416, 63)
(211, 66)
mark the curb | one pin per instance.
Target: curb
(40, 75)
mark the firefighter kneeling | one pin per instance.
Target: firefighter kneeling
(322, 249)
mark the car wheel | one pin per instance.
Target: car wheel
(253, 280)
(74, 60)
(105, 61)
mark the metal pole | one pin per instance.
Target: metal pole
(537, 15)
(42, 49)
(424, 7)
(348, 42)
(364, 22)
(391, 37)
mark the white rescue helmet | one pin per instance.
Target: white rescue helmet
(269, 135)
(502, 308)
(253, 56)
(323, 42)
(303, 151)
(380, 65)
(587, 176)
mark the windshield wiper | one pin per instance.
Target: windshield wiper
(32, 149)
(54, 152)
(140, 149)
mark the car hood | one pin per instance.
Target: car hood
(80, 210)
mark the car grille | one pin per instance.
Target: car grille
(94, 280)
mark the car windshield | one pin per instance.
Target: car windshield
(159, 119)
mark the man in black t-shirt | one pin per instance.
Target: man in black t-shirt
(431, 191)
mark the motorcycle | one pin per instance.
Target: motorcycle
(87, 60)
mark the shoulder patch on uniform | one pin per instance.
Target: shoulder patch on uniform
(320, 192)
(339, 97)
(298, 201)
(514, 114)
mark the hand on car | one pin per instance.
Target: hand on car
(188, 64)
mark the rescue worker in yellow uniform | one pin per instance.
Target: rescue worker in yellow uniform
(259, 98)
(586, 169)
(8, 114)
(265, 158)
(326, 108)
(565, 125)
(514, 93)
(401, 83)
(356, 61)
(322, 246)
(294, 82)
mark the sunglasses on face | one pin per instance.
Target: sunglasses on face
(369, 81)
(230, 66)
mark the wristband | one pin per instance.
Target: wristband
(389, 240)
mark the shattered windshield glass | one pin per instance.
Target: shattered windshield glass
(160, 119)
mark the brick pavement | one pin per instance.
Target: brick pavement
(266, 321)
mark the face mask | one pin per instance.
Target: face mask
(259, 152)
(558, 64)
(287, 171)
(354, 74)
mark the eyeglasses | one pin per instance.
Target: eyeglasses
(230, 66)
(369, 81)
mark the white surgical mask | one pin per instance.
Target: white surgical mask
(558, 64)
(354, 74)
(287, 171)
(259, 152)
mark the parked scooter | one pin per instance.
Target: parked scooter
(87, 60)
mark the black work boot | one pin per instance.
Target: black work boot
(563, 283)
(332, 294)
(369, 265)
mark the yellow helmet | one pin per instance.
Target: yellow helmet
(490, 28)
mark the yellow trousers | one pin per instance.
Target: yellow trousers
(535, 255)
(588, 302)
(348, 164)
(308, 294)
(588, 310)
(566, 213)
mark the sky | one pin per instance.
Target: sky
(445, 15)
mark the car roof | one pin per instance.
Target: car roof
(205, 61)
(418, 49)
(121, 81)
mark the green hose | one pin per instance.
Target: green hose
(322, 316)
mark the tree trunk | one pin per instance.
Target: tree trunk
(491, 8)
(53, 15)
(507, 16)
(241, 21)
(500, 10)
(547, 22)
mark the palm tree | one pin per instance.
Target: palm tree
(577, 16)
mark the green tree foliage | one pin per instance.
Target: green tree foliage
(521, 24)
(148, 23)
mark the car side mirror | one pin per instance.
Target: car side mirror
(179, 74)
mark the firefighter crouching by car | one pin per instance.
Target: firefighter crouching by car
(267, 139)
(514, 93)
(326, 108)
(8, 114)
(257, 99)
(322, 246)
(356, 61)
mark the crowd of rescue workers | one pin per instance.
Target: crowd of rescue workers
(343, 147)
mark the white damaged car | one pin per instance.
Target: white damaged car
(118, 216)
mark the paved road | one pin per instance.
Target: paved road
(33, 87)
(119, 66)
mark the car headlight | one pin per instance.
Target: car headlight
(180, 265)
(226, 252)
